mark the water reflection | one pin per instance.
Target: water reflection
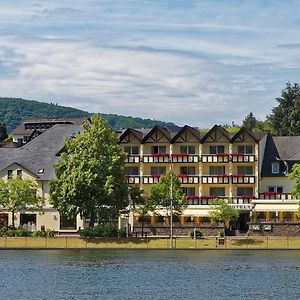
(152, 274)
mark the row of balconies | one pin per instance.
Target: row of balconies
(195, 179)
(192, 158)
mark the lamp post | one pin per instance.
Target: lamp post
(171, 205)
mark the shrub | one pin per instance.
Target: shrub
(196, 232)
(49, 232)
(102, 230)
(39, 233)
(221, 233)
(21, 232)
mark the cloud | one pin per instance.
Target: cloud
(190, 62)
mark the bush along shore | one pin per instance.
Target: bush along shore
(103, 230)
(21, 232)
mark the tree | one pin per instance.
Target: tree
(161, 194)
(16, 194)
(285, 118)
(90, 178)
(250, 121)
(223, 212)
(3, 132)
(295, 176)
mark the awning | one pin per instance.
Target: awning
(276, 207)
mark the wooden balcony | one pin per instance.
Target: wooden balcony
(188, 179)
(156, 158)
(215, 158)
(276, 196)
(151, 179)
(242, 158)
(216, 179)
(133, 159)
(133, 179)
(184, 158)
(242, 179)
(243, 202)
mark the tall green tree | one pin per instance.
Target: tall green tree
(16, 194)
(222, 211)
(250, 121)
(90, 178)
(160, 196)
(295, 176)
(3, 132)
(285, 118)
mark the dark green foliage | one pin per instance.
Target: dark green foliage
(10, 231)
(285, 118)
(250, 121)
(103, 230)
(14, 110)
(196, 233)
(3, 132)
(42, 233)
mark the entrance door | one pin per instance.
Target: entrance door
(4, 219)
(243, 222)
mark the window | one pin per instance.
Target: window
(158, 170)
(19, 174)
(187, 150)
(216, 149)
(217, 191)
(189, 191)
(275, 167)
(188, 170)
(158, 149)
(9, 174)
(247, 149)
(275, 189)
(216, 170)
(131, 150)
(132, 170)
(246, 170)
(243, 191)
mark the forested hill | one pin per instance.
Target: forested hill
(14, 110)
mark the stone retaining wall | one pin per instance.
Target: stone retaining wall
(277, 230)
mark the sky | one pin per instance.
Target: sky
(198, 62)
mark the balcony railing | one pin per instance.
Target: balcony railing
(276, 196)
(216, 179)
(242, 158)
(215, 158)
(133, 159)
(243, 179)
(188, 179)
(133, 179)
(241, 202)
(184, 158)
(150, 179)
(156, 158)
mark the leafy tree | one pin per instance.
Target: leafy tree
(3, 132)
(16, 194)
(90, 177)
(295, 176)
(250, 121)
(223, 212)
(285, 118)
(160, 195)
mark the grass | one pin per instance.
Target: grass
(150, 243)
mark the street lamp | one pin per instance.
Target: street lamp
(171, 205)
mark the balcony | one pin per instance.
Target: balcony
(133, 159)
(238, 202)
(215, 158)
(156, 158)
(216, 179)
(276, 196)
(184, 158)
(242, 158)
(188, 179)
(133, 179)
(242, 179)
(151, 179)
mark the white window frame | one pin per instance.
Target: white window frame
(275, 167)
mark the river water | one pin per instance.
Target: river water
(149, 274)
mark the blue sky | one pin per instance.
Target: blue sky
(189, 62)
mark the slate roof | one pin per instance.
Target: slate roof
(40, 153)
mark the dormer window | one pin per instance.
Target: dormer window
(19, 174)
(275, 167)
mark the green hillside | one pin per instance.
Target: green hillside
(14, 110)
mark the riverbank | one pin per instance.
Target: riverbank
(149, 243)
